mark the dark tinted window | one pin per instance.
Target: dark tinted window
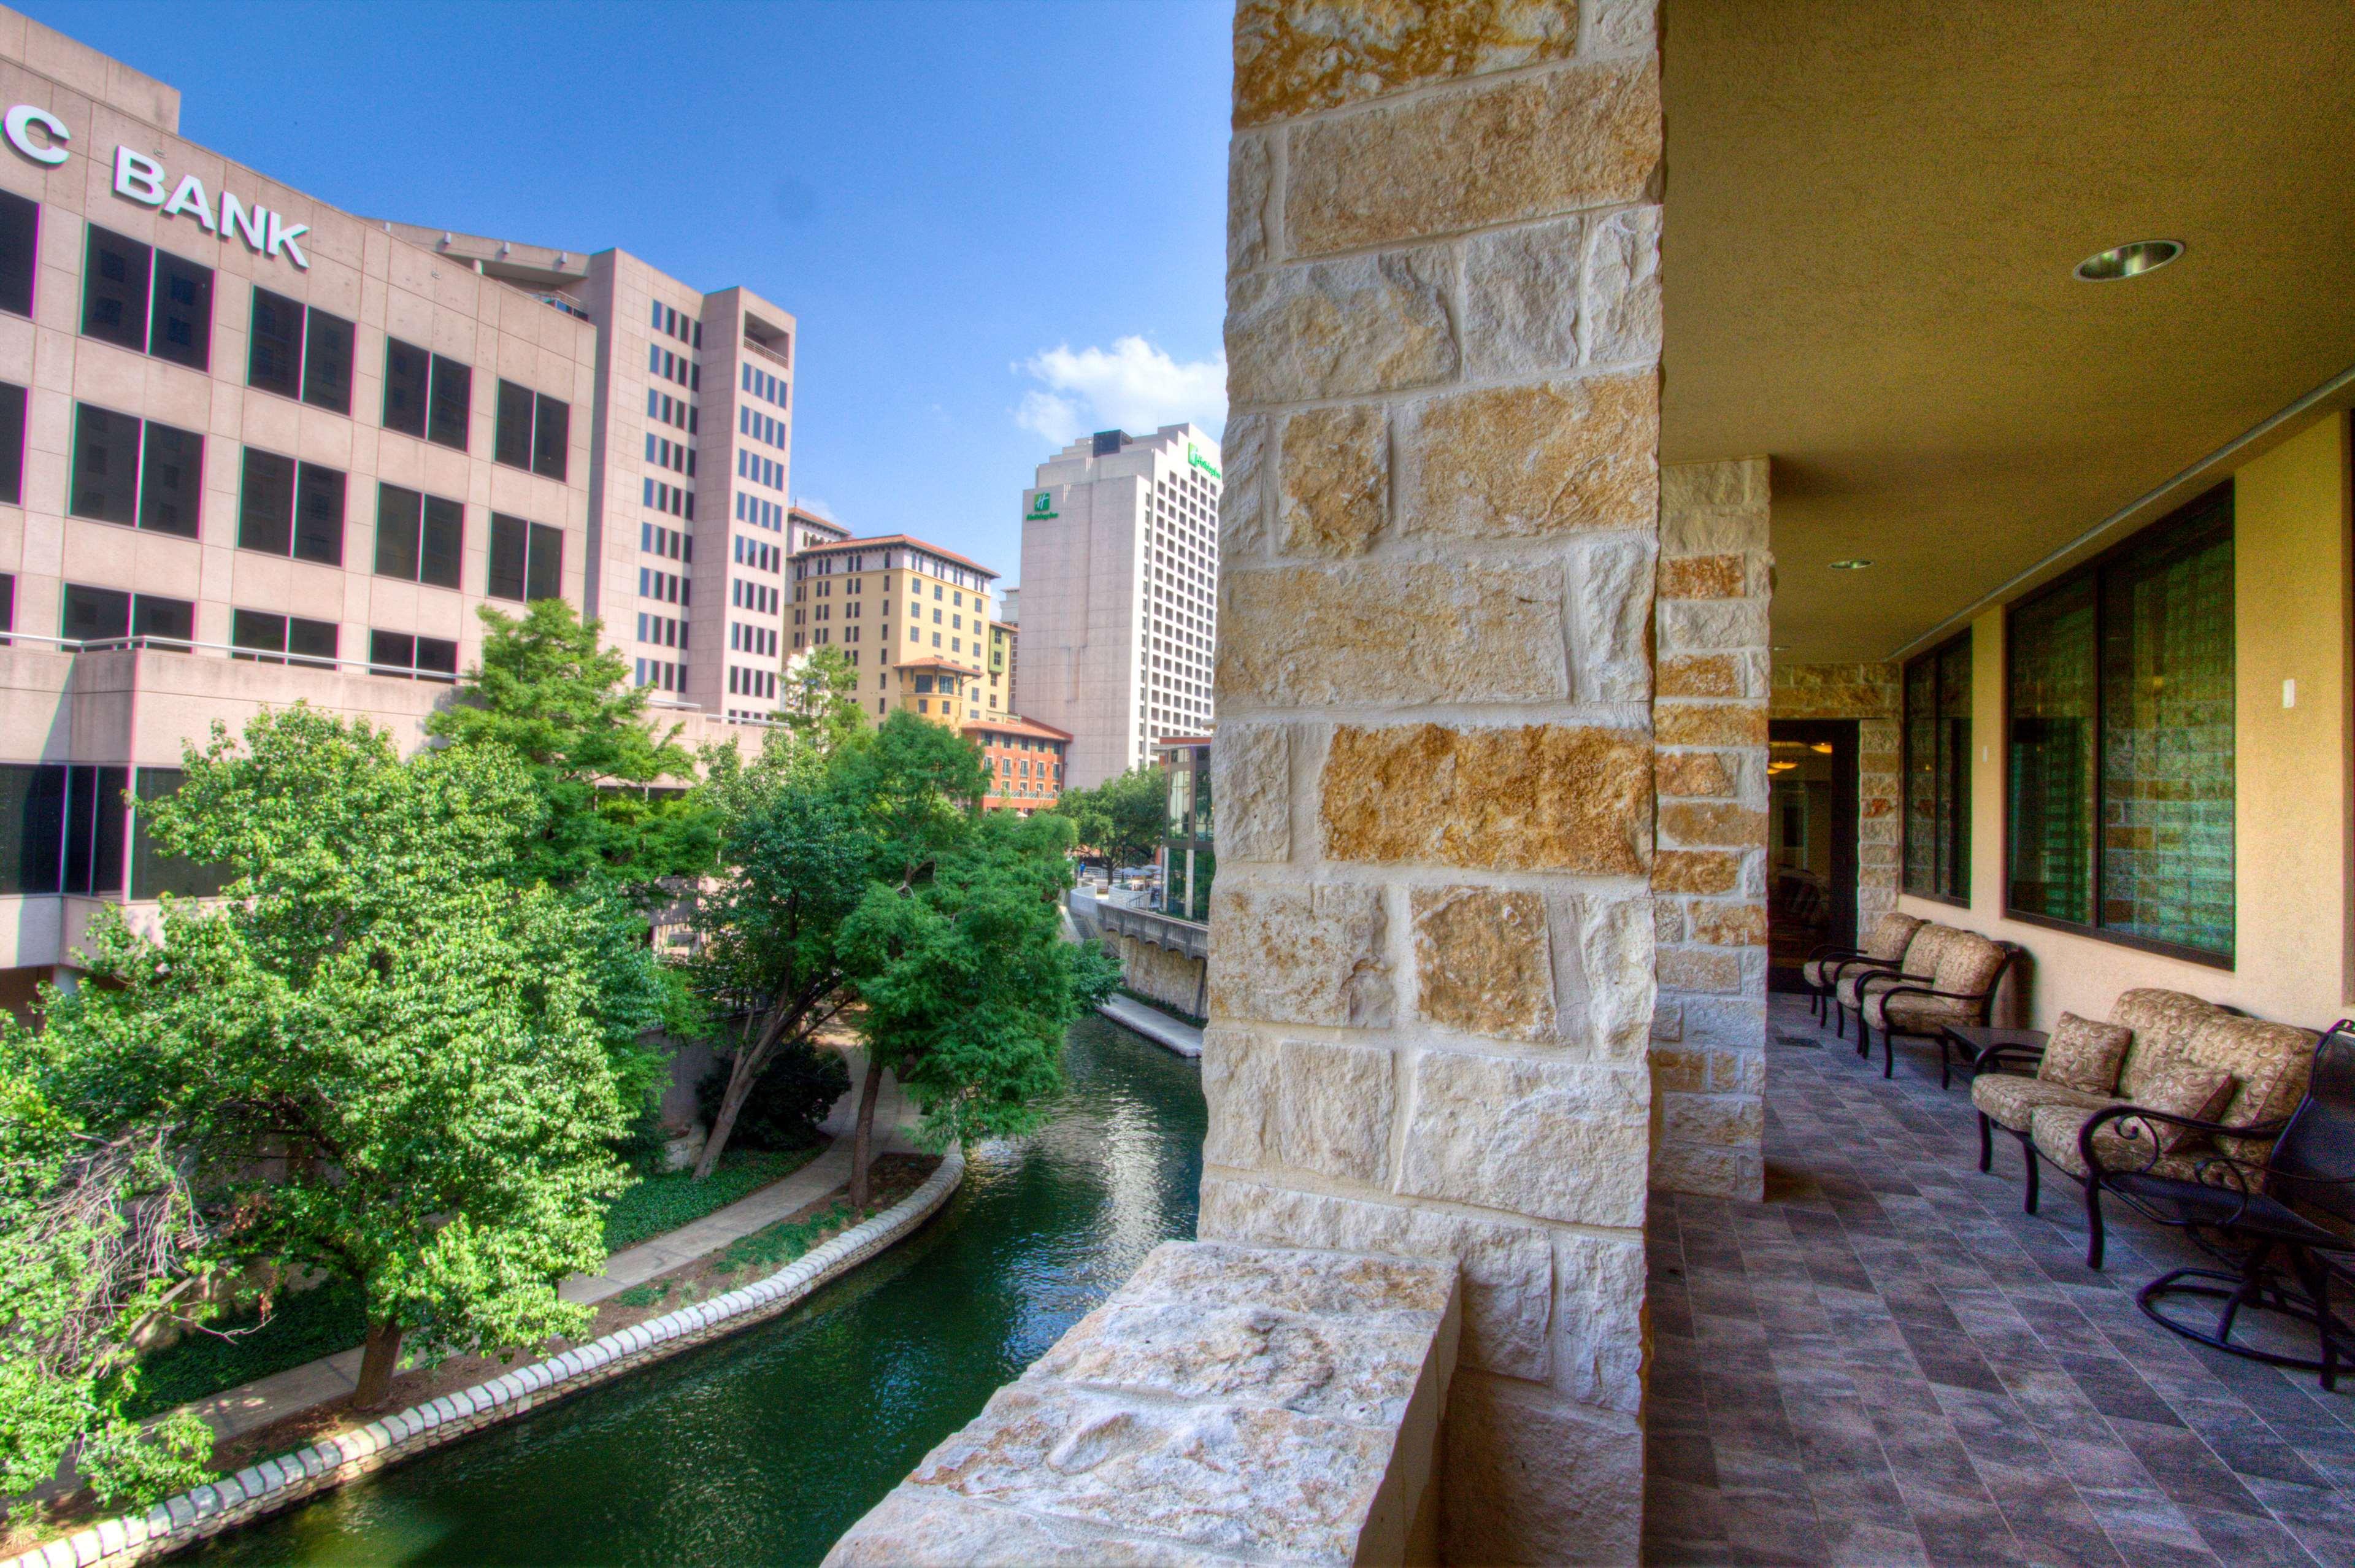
(97, 818)
(19, 237)
(444, 545)
(258, 630)
(105, 466)
(510, 556)
(167, 620)
(328, 362)
(406, 370)
(544, 578)
(171, 482)
(114, 289)
(7, 604)
(454, 394)
(439, 656)
(391, 653)
(95, 614)
(181, 320)
(12, 444)
(511, 443)
(154, 871)
(265, 510)
(551, 433)
(319, 514)
(311, 642)
(399, 516)
(1937, 756)
(274, 359)
(32, 818)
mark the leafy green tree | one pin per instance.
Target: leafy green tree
(1123, 819)
(619, 802)
(803, 833)
(968, 985)
(96, 1232)
(384, 1046)
(818, 698)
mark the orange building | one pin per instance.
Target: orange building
(1026, 759)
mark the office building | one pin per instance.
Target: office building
(914, 620)
(1120, 572)
(1010, 612)
(1026, 763)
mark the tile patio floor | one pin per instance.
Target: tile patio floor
(1886, 1362)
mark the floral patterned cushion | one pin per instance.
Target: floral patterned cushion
(2010, 1099)
(2084, 1054)
(1891, 934)
(1968, 965)
(2269, 1064)
(1910, 1014)
(2163, 1022)
(1929, 945)
(2122, 1144)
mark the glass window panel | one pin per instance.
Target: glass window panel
(511, 442)
(319, 514)
(181, 320)
(258, 629)
(391, 653)
(32, 827)
(399, 516)
(1954, 825)
(7, 604)
(168, 621)
(12, 444)
(105, 466)
(172, 481)
(406, 370)
(265, 504)
(551, 433)
(19, 239)
(1921, 775)
(94, 615)
(453, 395)
(2053, 699)
(311, 642)
(544, 577)
(510, 552)
(2167, 738)
(437, 656)
(274, 351)
(97, 818)
(444, 548)
(328, 362)
(114, 289)
(155, 871)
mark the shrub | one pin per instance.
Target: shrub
(788, 1102)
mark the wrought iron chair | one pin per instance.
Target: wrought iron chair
(1883, 949)
(1919, 1010)
(2240, 1212)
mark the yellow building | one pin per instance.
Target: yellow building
(914, 620)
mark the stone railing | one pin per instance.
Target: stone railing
(179, 1521)
(1228, 1404)
(1188, 938)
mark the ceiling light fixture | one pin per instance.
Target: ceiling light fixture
(1856, 563)
(2129, 261)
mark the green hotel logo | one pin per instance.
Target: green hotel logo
(1042, 505)
(1194, 455)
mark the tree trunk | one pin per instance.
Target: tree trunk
(740, 1079)
(864, 1140)
(378, 1360)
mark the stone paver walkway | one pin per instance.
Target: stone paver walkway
(1886, 1362)
(251, 1406)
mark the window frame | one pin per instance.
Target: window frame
(137, 444)
(1958, 852)
(2158, 532)
(306, 328)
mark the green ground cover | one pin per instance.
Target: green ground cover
(660, 1203)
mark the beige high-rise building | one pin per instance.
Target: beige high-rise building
(1120, 590)
(914, 620)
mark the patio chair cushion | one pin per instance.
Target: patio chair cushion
(2163, 1022)
(1920, 963)
(2124, 1144)
(2269, 1064)
(1887, 942)
(1917, 1014)
(1968, 965)
(2011, 1099)
(2084, 1054)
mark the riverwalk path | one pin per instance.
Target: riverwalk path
(249, 1407)
(1154, 1024)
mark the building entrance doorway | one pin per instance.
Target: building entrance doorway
(1810, 842)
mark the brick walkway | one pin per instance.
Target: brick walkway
(1886, 1362)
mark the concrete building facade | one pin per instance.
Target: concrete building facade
(1120, 565)
(914, 621)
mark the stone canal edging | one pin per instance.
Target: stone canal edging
(273, 1484)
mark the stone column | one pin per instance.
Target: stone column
(1708, 1030)
(1431, 944)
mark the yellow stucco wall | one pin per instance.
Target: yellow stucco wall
(2292, 847)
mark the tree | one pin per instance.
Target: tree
(818, 698)
(804, 832)
(96, 1233)
(968, 988)
(618, 803)
(384, 1047)
(1125, 818)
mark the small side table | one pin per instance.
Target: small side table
(1972, 1041)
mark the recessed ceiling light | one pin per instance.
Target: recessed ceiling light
(1854, 564)
(1779, 648)
(2129, 261)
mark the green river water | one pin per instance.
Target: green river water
(765, 1447)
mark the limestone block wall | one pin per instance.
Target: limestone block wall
(1872, 695)
(1709, 873)
(1431, 941)
(1157, 973)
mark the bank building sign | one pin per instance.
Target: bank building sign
(42, 137)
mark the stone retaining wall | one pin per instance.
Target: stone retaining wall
(1171, 979)
(273, 1484)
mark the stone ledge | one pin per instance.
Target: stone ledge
(1228, 1403)
(178, 1523)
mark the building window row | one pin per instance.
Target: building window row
(760, 470)
(760, 513)
(427, 395)
(679, 324)
(299, 351)
(534, 431)
(268, 637)
(744, 682)
(670, 543)
(744, 639)
(82, 830)
(668, 586)
(675, 456)
(757, 596)
(662, 675)
(407, 657)
(419, 537)
(761, 427)
(675, 368)
(676, 412)
(150, 301)
(753, 552)
(760, 384)
(663, 631)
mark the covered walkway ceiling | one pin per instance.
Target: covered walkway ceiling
(1873, 211)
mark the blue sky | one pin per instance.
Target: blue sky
(969, 207)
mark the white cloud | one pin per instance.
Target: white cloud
(1133, 386)
(823, 509)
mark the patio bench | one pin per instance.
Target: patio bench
(1885, 948)
(1960, 989)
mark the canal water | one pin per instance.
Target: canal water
(765, 1447)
